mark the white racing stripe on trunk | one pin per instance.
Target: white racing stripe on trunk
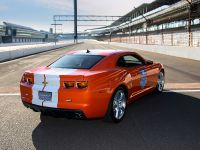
(53, 85)
(38, 86)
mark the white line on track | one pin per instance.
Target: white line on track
(181, 91)
(9, 94)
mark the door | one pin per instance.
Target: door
(135, 65)
(152, 75)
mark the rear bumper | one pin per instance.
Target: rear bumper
(92, 103)
(69, 113)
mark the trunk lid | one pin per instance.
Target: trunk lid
(50, 80)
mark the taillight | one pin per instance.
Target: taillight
(27, 80)
(72, 84)
(81, 84)
(69, 84)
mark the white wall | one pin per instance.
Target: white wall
(13, 52)
(184, 52)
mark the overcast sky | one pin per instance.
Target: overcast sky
(38, 14)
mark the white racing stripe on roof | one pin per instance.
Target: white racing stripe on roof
(84, 52)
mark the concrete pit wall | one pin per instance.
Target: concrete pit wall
(10, 53)
(174, 43)
(184, 52)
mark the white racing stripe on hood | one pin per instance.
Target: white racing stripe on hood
(53, 80)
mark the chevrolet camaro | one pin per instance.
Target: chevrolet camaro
(91, 84)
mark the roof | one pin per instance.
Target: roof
(17, 26)
(102, 52)
(144, 8)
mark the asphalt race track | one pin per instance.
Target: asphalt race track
(169, 121)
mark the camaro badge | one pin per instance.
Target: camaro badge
(143, 80)
(45, 83)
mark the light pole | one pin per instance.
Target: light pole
(75, 22)
(145, 25)
(189, 22)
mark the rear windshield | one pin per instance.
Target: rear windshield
(77, 61)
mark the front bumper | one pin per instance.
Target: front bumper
(69, 113)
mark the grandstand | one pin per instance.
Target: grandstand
(2, 32)
(12, 33)
(163, 22)
(49, 37)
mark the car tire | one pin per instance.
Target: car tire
(117, 106)
(43, 117)
(160, 82)
(43, 113)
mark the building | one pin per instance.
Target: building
(49, 36)
(17, 34)
(12, 33)
(2, 32)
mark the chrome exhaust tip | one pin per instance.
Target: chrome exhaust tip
(78, 116)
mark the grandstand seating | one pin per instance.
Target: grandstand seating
(13, 33)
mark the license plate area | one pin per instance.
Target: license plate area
(45, 96)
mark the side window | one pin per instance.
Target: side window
(121, 62)
(130, 61)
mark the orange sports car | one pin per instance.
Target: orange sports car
(91, 84)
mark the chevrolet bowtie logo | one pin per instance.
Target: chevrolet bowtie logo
(45, 83)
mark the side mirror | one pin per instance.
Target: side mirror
(149, 62)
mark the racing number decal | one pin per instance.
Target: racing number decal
(143, 80)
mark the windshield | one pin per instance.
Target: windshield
(77, 61)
